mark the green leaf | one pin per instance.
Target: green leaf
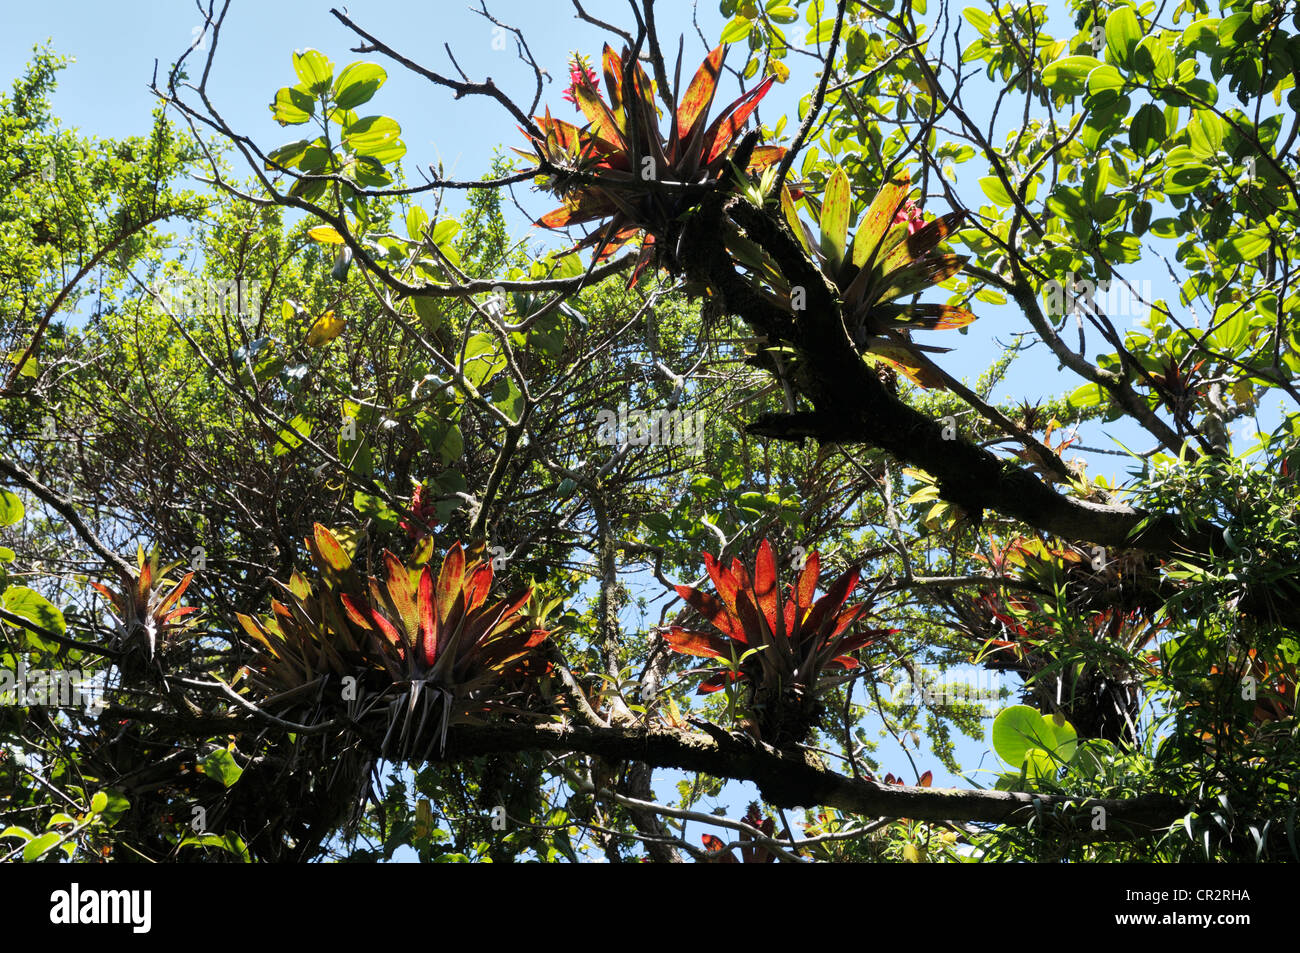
(1018, 730)
(1089, 395)
(507, 397)
(369, 505)
(221, 766)
(996, 191)
(1147, 130)
(291, 436)
(357, 83)
(99, 802)
(377, 138)
(1122, 35)
(737, 29)
(1069, 75)
(1248, 246)
(1186, 178)
(821, 33)
(1152, 57)
(292, 106)
(1205, 134)
(288, 155)
(34, 607)
(39, 845)
(445, 231)
(482, 359)
(417, 220)
(314, 70)
(835, 218)
(11, 508)
(1103, 79)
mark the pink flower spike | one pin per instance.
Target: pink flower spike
(912, 216)
(578, 71)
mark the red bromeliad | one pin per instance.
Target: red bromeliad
(622, 170)
(148, 613)
(414, 640)
(792, 644)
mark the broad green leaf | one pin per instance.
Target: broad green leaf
(376, 137)
(291, 436)
(1089, 395)
(1122, 35)
(288, 155)
(1020, 729)
(39, 845)
(1103, 79)
(1147, 130)
(11, 508)
(357, 83)
(417, 220)
(314, 70)
(34, 607)
(1205, 133)
(445, 231)
(221, 766)
(835, 218)
(1152, 57)
(1249, 246)
(507, 397)
(482, 359)
(992, 187)
(1186, 178)
(292, 106)
(737, 29)
(1069, 75)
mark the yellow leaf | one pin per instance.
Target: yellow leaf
(779, 70)
(326, 329)
(924, 495)
(325, 234)
(423, 818)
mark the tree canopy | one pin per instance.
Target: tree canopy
(343, 519)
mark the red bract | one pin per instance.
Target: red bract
(622, 170)
(796, 640)
(579, 72)
(911, 216)
(416, 642)
(424, 515)
(148, 613)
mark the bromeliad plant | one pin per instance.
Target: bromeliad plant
(146, 613)
(621, 169)
(430, 650)
(893, 255)
(781, 651)
(1080, 636)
